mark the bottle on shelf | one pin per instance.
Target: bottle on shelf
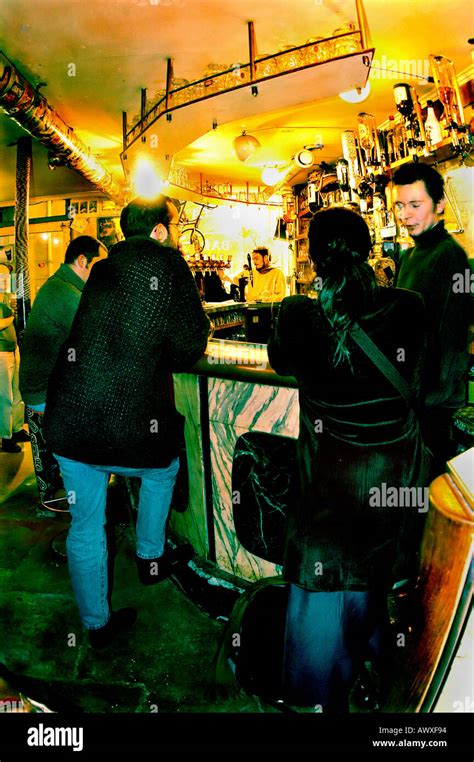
(433, 130)
(444, 75)
(406, 101)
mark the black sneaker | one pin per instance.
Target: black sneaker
(119, 620)
(151, 571)
(8, 445)
(21, 436)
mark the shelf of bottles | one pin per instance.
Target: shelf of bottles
(205, 263)
(421, 132)
(433, 133)
(222, 78)
(304, 270)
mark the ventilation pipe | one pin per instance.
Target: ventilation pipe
(31, 110)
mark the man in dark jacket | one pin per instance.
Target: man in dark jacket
(437, 267)
(48, 326)
(109, 408)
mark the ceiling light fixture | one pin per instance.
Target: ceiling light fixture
(304, 158)
(146, 181)
(244, 146)
(271, 175)
(356, 95)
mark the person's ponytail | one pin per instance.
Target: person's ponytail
(339, 246)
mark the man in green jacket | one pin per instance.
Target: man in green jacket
(48, 326)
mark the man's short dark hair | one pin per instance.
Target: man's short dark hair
(262, 250)
(411, 173)
(139, 217)
(83, 244)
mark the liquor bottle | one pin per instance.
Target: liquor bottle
(403, 99)
(406, 101)
(342, 172)
(432, 127)
(444, 75)
(369, 139)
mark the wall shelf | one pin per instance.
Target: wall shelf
(192, 120)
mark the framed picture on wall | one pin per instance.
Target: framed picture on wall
(108, 231)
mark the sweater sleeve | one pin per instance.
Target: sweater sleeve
(286, 337)
(280, 285)
(188, 324)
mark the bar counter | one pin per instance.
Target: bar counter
(242, 422)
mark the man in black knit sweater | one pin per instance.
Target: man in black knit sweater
(437, 267)
(109, 408)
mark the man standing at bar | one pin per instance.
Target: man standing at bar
(268, 282)
(109, 407)
(48, 326)
(436, 267)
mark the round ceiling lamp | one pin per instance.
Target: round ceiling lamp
(304, 158)
(357, 95)
(244, 146)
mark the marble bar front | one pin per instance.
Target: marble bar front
(242, 422)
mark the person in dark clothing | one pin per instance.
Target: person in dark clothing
(346, 543)
(436, 267)
(108, 407)
(48, 326)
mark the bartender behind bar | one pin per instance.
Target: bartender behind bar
(266, 283)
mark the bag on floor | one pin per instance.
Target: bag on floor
(250, 656)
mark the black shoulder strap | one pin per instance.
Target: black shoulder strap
(383, 363)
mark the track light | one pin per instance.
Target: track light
(304, 158)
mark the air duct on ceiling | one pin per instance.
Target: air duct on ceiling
(31, 110)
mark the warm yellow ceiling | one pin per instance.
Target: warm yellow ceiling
(120, 46)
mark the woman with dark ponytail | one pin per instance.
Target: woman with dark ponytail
(359, 436)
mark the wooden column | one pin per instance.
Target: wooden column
(439, 606)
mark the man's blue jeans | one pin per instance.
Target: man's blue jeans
(86, 487)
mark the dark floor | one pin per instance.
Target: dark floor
(163, 664)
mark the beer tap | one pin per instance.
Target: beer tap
(249, 262)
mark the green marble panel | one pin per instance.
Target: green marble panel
(235, 408)
(192, 524)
